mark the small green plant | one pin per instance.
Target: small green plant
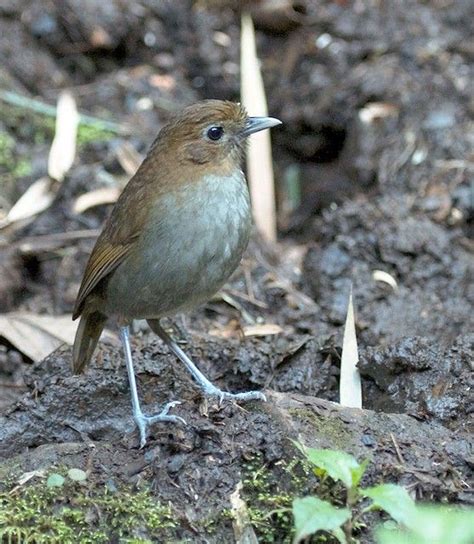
(433, 524)
(312, 515)
(414, 524)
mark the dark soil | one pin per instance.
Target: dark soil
(377, 105)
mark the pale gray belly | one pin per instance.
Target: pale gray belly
(185, 257)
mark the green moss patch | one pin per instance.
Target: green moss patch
(73, 514)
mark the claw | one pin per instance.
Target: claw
(143, 421)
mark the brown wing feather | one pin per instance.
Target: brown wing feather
(121, 229)
(102, 261)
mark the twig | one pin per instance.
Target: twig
(247, 298)
(397, 449)
(37, 106)
(34, 244)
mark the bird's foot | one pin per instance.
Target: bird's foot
(143, 421)
(213, 391)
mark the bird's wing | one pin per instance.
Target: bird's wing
(121, 230)
(104, 258)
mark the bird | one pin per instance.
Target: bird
(175, 235)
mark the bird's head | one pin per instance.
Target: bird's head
(211, 132)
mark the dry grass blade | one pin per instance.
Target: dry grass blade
(259, 156)
(37, 335)
(63, 148)
(350, 389)
(105, 195)
(243, 530)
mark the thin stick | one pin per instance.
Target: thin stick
(37, 106)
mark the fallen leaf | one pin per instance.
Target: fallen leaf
(37, 198)
(231, 330)
(63, 148)
(37, 335)
(374, 111)
(350, 389)
(385, 277)
(98, 197)
(40, 195)
(262, 330)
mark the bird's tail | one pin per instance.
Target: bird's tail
(87, 336)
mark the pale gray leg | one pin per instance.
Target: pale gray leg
(142, 420)
(208, 387)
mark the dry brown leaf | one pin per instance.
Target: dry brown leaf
(63, 148)
(259, 154)
(263, 329)
(98, 197)
(37, 198)
(37, 335)
(350, 389)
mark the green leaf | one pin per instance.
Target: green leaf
(338, 464)
(357, 473)
(394, 499)
(76, 474)
(55, 480)
(434, 525)
(312, 515)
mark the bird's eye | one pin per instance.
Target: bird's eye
(215, 133)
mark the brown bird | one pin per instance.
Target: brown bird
(174, 237)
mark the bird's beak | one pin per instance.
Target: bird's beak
(255, 124)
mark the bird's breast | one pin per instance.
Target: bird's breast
(194, 240)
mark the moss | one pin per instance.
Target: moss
(332, 429)
(73, 514)
(9, 163)
(90, 133)
(269, 493)
(39, 129)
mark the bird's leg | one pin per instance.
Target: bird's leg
(208, 387)
(142, 420)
